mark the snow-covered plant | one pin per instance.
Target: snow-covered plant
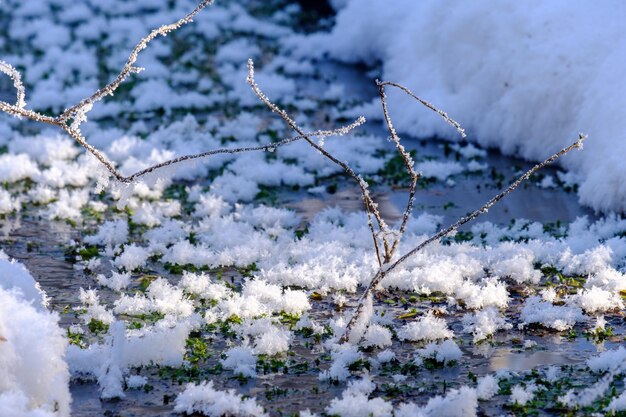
(385, 239)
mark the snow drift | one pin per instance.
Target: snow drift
(34, 378)
(525, 77)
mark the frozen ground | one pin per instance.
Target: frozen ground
(222, 287)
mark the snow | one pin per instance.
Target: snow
(354, 402)
(513, 91)
(521, 395)
(484, 323)
(378, 336)
(618, 403)
(343, 356)
(427, 327)
(15, 277)
(132, 257)
(241, 360)
(609, 360)
(460, 402)
(117, 281)
(596, 299)
(438, 170)
(34, 377)
(136, 381)
(205, 399)
(545, 313)
(487, 387)
(444, 352)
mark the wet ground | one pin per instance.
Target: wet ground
(291, 383)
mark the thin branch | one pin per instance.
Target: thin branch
(78, 112)
(269, 147)
(384, 271)
(406, 157)
(128, 67)
(15, 75)
(370, 205)
(441, 113)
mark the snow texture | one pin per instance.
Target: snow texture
(513, 91)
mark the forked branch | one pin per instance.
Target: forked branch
(77, 113)
(383, 272)
(370, 205)
(406, 157)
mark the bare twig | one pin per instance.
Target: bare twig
(15, 75)
(370, 206)
(386, 269)
(129, 69)
(78, 112)
(406, 157)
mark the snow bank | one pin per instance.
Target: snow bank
(523, 77)
(34, 379)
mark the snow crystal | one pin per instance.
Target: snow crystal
(117, 281)
(608, 360)
(427, 327)
(444, 352)
(595, 300)
(521, 395)
(439, 170)
(132, 258)
(343, 356)
(484, 323)
(354, 402)
(545, 313)
(462, 402)
(377, 335)
(205, 399)
(487, 387)
(241, 360)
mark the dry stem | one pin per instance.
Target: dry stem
(370, 206)
(78, 112)
(406, 157)
(384, 271)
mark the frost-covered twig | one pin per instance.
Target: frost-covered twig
(384, 271)
(129, 69)
(269, 147)
(77, 113)
(370, 205)
(17, 83)
(406, 157)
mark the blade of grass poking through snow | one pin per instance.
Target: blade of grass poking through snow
(406, 157)
(370, 205)
(386, 269)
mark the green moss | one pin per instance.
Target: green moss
(97, 326)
